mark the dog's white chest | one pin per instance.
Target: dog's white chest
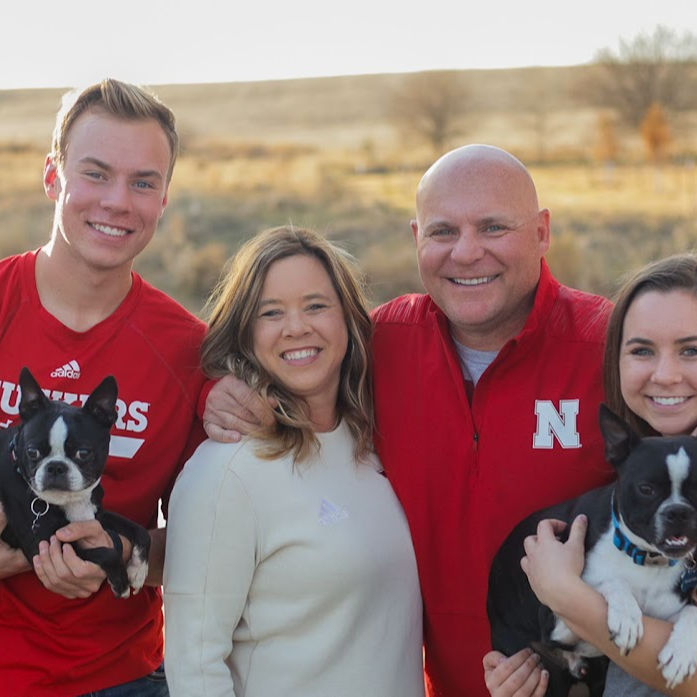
(652, 586)
(80, 510)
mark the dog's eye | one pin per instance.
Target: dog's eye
(83, 454)
(646, 489)
(33, 453)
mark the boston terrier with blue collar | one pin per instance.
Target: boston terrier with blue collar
(50, 470)
(640, 555)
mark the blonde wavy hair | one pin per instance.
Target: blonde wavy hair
(229, 344)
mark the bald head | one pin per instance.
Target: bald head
(480, 237)
(483, 163)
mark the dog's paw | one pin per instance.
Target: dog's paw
(626, 630)
(678, 658)
(137, 569)
(125, 593)
(624, 616)
(119, 585)
(577, 665)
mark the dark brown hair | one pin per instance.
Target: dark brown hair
(677, 272)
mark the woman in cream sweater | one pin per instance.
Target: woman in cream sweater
(289, 568)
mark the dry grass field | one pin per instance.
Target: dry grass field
(326, 153)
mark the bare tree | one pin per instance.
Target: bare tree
(657, 68)
(431, 106)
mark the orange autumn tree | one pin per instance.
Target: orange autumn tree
(655, 132)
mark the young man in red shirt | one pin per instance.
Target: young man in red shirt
(73, 311)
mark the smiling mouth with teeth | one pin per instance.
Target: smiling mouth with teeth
(298, 355)
(668, 401)
(675, 542)
(473, 281)
(111, 231)
(677, 546)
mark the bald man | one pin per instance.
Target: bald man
(486, 389)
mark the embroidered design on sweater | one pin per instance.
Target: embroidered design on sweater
(330, 513)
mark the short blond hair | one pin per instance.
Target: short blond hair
(118, 99)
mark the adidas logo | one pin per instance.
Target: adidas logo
(69, 370)
(329, 513)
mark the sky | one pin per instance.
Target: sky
(66, 43)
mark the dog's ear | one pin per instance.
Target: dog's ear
(33, 400)
(101, 404)
(620, 438)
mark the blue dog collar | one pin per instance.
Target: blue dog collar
(639, 556)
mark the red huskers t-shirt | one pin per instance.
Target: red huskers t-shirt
(51, 646)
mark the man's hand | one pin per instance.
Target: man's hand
(62, 571)
(234, 410)
(12, 561)
(521, 675)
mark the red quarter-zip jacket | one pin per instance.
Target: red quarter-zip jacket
(466, 474)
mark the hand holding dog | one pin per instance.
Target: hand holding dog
(550, 565)
(234, 410)
(61, 570)
(521, 675)
(12, 561)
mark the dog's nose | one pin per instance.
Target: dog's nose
(679, 514)
(56, 469)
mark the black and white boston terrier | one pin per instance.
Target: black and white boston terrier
(640, 555)
(50, 470)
